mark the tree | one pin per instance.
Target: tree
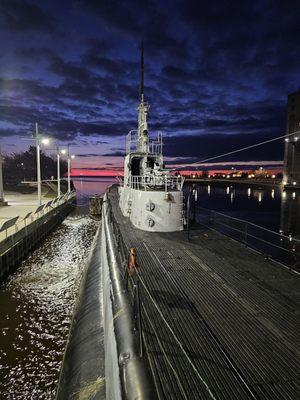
(22, 166)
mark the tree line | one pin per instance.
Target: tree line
(22, 166)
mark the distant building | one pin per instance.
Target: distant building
(292, 143)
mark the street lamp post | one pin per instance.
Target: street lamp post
(38, 142)
(1, 180)
(38, 164)
(69, 157)
(69, 171)
(58, 173)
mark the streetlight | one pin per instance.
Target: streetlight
(58, 151)
(38, 141)
(69, 170)
(1, 181)
(64, 151)
(58, 172)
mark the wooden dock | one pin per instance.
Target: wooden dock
(220, 321)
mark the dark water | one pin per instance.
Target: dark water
(260, 206)
(36, 305)
(86, 187)
(271, 208)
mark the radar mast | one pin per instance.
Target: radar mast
(143, 108)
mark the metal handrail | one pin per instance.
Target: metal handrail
(151, 181)
(135, 379)
(281, 235)
(291, 250)
(154, 145)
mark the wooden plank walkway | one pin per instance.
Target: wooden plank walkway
(220, 321)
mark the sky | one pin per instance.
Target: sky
(217, 75)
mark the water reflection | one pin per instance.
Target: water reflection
(290, 214)
(36, 306)
(231, 197)
(269, 207)
(259, 197)
(86, 187)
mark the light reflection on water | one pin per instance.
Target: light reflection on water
(269, 207)
(36, 305)
(88, 186)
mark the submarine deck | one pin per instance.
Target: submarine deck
(219, 321)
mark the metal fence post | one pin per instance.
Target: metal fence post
(246, 233)
(212, 217)
(139, 316)
(188, 205)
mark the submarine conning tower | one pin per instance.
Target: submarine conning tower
(150, 195)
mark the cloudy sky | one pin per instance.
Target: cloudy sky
(217, 74)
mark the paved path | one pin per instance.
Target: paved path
(19, 205)
(220, 322)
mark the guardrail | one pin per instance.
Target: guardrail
(280, 247)
(13, 225)
(23, 236)
(163, 181)
(154, 146)
(131, 281)
(136, 382)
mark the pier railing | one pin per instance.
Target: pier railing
(280, 247)
(13, 225)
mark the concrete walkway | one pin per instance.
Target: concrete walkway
(19, 205)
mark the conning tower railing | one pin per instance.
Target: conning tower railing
(163, 182)
(154, 146)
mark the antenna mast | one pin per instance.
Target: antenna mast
(142, 73)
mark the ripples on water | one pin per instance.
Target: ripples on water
(36, 305)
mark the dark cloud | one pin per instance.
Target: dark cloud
(18, 15)
(69, 70)
(6, 132)
(88, 155)
(214, 71)
(206, 146)
(35, 53)
(113, 13)
(115, 154)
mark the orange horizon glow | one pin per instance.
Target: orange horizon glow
(77, 172)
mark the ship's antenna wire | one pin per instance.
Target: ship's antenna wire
(142, 72)
(244, 148)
